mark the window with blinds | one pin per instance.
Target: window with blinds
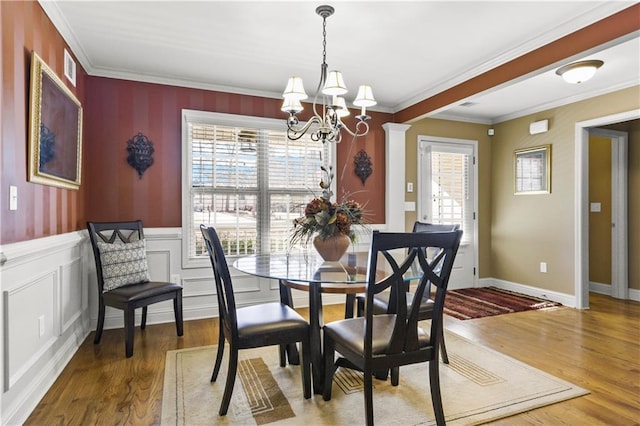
(248, 180)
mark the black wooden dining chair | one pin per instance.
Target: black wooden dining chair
(119, 249)
(387, 341)
(254, 326)
(381, 303)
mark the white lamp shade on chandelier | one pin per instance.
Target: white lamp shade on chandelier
(579, 72)
(326, 125)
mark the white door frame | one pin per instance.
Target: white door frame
(581, 202)
(474, 146)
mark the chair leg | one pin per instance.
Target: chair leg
(282, 349)
(368, 397)
(436, 398)
(98, 336)
(306, 367)
(395, 376)
(143, 323)
(216, 368)
(231, 379)
(329, 367)
(129, 323)
(443, 348)
(177, 310)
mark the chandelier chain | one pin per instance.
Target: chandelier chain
(324, 40)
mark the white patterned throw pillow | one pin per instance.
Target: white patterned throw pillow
(123, 264)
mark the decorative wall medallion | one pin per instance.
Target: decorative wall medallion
(363, 165)
(140, 150)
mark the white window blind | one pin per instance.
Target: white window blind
(247, 180)
(450, 185)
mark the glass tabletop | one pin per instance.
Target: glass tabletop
(306, 267)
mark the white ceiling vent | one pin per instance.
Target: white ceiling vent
(69, 67)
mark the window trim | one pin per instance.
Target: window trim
(221, 119)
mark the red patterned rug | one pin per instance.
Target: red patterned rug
(469, 303)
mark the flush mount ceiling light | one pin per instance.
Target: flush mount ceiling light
(327, 125)
(579, 72)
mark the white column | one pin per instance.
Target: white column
(395, 144)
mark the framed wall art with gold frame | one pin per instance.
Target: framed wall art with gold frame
(55, 129)
(532, 170)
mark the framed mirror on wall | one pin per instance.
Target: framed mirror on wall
(55, 129)
(532, 170)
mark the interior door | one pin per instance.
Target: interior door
(447, 193)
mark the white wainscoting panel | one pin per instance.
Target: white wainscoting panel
(31, 325)
(45, 317)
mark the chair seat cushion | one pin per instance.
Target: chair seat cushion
(350, 333)
(268, 324)
(137, 292)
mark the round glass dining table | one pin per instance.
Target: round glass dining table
(308, 272)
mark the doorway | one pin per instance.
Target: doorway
(581, 211)
(447, 194)
(615, 245)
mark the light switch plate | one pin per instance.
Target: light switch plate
(13, 197)
(409, 186)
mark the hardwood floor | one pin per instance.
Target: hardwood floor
(598, 349)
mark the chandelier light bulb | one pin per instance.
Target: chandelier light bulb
(341, 107)
(334, 85)
(295, 89)
(291, 105)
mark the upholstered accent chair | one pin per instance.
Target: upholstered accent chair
(124, 283)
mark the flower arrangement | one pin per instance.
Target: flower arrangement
(326, 218)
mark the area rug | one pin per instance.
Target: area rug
(478, 385)
(469, 303)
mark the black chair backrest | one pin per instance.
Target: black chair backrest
(434, 227)
(108, 232)
(381, 258)
(224, 286)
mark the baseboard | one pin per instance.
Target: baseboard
(566, 299)
(605, 289)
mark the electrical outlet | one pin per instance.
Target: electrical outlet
(175, 278)
(543, 266)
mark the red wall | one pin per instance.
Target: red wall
(42, 210)
(116, 110)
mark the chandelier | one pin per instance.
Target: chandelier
(325, 126)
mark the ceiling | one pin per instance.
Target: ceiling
(407, 51)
